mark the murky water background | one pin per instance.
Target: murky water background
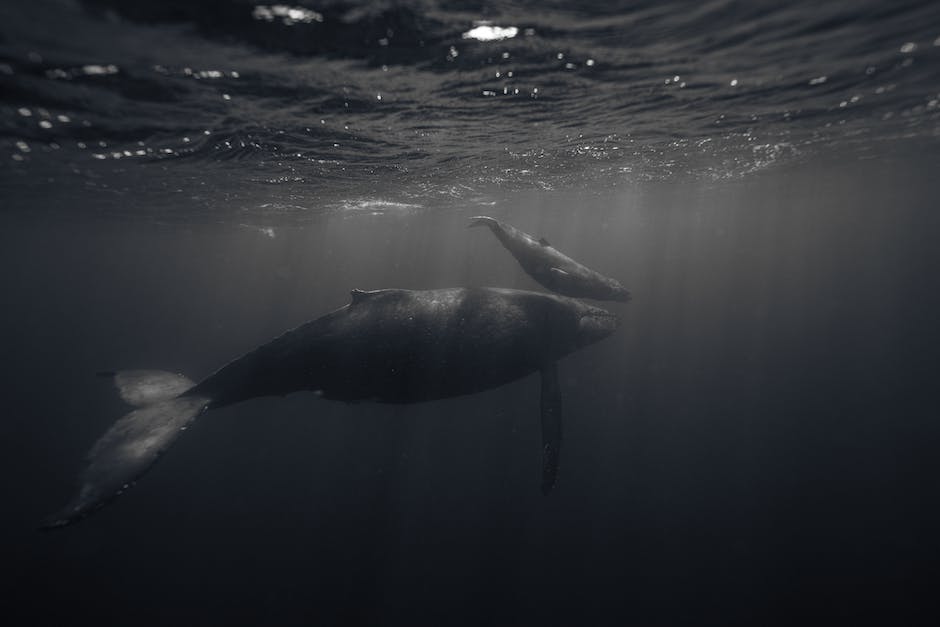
(757, 444)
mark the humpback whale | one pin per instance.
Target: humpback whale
(390, 346)
(550, 267)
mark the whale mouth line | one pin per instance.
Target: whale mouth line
(598, 323)
(602, 315)
(623, 295)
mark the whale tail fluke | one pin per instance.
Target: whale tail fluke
(146, 387)
(132, 444)
(483, 221)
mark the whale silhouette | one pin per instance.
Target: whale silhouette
(551, 268)
(390, 346)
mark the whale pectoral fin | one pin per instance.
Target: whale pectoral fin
(544, 242)
(551, 426)
(126, 451)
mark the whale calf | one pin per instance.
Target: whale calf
(551, 268)
(391, 346)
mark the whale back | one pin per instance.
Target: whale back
(405, 346)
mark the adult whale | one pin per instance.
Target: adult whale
(553, 269)
(392, 346)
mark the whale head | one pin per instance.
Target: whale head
(594, 324)
(616, 291)
(554, 325)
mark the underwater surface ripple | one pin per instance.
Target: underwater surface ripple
(428, 102)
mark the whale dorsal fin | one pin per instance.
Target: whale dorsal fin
(544, 242)
(359, 295)
(551, 426)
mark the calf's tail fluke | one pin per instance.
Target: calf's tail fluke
(132, 444)
(483, 221)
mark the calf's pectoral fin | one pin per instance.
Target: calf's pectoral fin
(551, 426)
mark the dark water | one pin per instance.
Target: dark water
(757, 444)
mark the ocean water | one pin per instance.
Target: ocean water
(757, 444)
